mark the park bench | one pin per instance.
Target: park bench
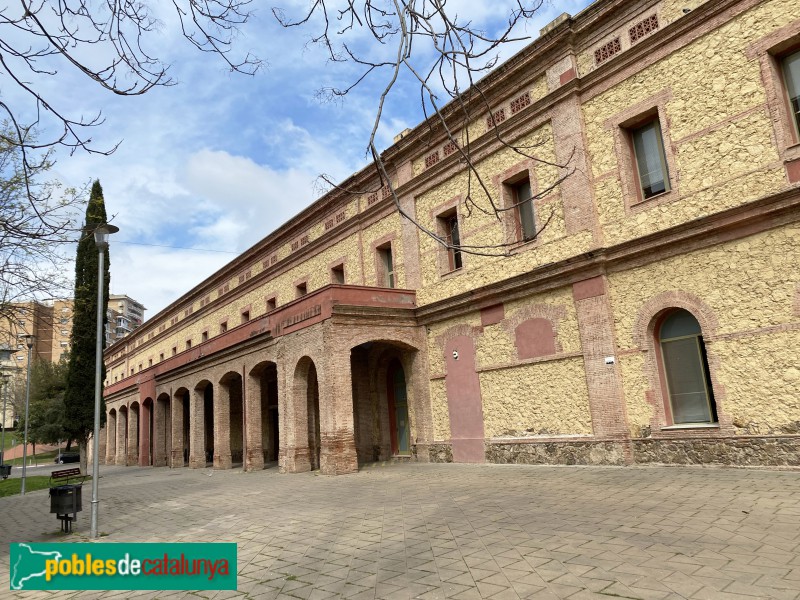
(65, 497)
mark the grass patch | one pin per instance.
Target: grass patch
(12, 485)
(41, 458)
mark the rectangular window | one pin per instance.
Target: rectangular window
(385, 265)
(223, 327)
(791, 74)
(526, 224)
(272, 303)
(204, 336)
(188, 344)
(651, 163)
(174, 350)
(301, 289)
(337, 274)
(245, 316)
(161, 357)
(448, 227)
(149, 362)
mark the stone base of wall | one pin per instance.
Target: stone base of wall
(440, 453)
(734, 451)
(556, 453)
(744, 451)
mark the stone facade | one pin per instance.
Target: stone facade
(299, 352)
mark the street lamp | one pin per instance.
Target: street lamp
(101, 234)
(28, 337)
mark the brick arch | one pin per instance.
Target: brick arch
(535, 311)
(457, 331)
(644, 336)
(534, 329)
(653, 309)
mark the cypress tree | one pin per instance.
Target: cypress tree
(79, 393)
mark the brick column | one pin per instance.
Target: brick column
(293, 454)
(133, 437)
(254, 446)
(197, 431)
(111, 438)
(145, 415)
(122, 434)
(176, 451)
(222, 427)
(595, 323)
(160, 433)
(338, 452)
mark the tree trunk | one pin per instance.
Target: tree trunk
(84, 463)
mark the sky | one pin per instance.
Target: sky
(209, 166)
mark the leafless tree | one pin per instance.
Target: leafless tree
(35, 216)
(424, 41)
(107, 42)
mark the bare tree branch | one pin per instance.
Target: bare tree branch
(449, 55)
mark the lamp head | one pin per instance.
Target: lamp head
(101, 233)
(28, 337)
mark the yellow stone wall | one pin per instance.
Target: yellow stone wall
(750, 285)
(479, 229)
(527, 399)
(718, 124)
(533, 399)
(439, 410)
(315, 267)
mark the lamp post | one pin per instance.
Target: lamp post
(28, 337)
(101, 234)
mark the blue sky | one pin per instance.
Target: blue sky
(220, 160)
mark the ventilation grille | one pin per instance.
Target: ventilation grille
(431, 159)
(450, 148)
(496, 118)
(606, 51)
(643, 28)
(519, 103)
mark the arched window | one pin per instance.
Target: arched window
(686, 374)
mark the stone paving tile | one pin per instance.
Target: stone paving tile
(456, 531)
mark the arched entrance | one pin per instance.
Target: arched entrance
(201, 442)
(262, 416)
(383, 400)
(229, 416)
(306, 398)
(181, 432)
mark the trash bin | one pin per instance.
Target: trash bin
(5, 471)
(65, 499)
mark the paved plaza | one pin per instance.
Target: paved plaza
(455, 531)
